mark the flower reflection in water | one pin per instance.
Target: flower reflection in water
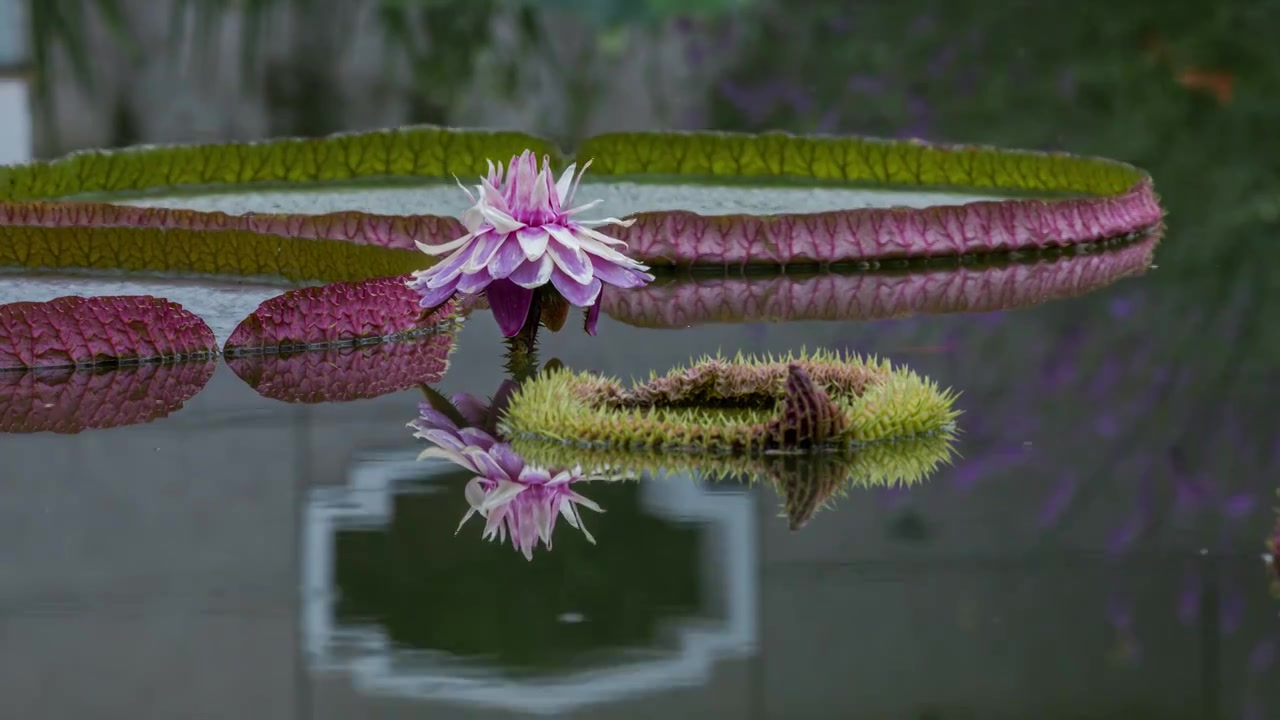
(517, 500)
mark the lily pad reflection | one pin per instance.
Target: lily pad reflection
(804, 483)
(690, 299)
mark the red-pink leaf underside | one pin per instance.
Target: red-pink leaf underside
(69, 401)
(392, 231)
(342, 313)
(850, 236)
(875, 295)
(680, 238)
(83, 332)
(348, 373)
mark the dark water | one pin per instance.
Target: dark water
(1094, 550)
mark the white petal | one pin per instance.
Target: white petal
(465, 518)
(566, 511)
(584, 207)
(443, 248)
(500, 220)
(453, 457)
(503, 494)
(491, 197)
(561, 478)
(542, 521)
(540, 198)
(567, 200)
(533, 241)
(473, 218)
(608, 221)
(475, 493)
(464, 189)
(565, 182)
(495, 525)
(600, 250)
(588, 503)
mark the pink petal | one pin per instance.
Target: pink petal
(533, 274)
(472, 283)
(432, 419)
(485, 464)
(593, 315)
(471, 407)
(510, 304)
(512, 463)
(477, 438)
(436, 296)
(448, 269)
(508, 257)
(534, 241)
(579, 294)
(486, 246)
(617, 275)
(568, 256)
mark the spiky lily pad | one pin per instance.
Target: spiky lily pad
(745, 405)
(69, 401)
(83, 332)
(875, 295)
(341, 374)
(338, 314)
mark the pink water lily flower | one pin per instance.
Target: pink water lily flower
(516, 500)
(522, 235)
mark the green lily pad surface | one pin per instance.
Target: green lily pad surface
(354, 206)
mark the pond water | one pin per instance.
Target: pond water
(1094, 548)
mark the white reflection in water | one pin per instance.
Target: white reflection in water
(376, 666)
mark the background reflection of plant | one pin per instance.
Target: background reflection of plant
(432, 590)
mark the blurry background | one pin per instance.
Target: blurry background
(1108, 439)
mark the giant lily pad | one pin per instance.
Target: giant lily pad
(338, 314)
(851, 194)
(83, 332)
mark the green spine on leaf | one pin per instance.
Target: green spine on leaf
(417, 151)
(734, 406)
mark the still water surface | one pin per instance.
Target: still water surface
(1093, 551)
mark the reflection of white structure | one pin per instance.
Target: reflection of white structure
(375, 666)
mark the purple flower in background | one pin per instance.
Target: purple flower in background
(516, 500)
(1272, 559)
(520, 238)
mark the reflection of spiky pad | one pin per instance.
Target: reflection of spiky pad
(742, 406)
(805, 486)
(806, 482)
